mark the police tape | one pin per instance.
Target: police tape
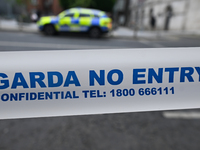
(80, 82)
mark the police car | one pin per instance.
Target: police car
(92, 21)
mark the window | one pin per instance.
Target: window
(34, 2)
(84, 15)
(69, 15)
(96, 16)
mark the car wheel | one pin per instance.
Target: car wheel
(49, 30)
(94, 32)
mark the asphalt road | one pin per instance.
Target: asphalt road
(15, 41)
(171, 130)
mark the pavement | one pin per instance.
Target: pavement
(124, 32)
(119, 32)
(13, 25)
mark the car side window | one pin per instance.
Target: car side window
(84, 15)
(69, 15)
(96, 16)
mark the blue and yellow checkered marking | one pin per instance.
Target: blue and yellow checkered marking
(82, 24)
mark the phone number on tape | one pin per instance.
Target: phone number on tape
(142, 91)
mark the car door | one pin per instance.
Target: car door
(65, 23)
(84, 21)
(75, 26)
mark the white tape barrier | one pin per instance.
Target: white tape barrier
(78, 82)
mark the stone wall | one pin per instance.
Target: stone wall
(185, 14)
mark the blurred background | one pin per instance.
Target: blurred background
(136, 24)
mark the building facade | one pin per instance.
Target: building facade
(166, 14)
(10, 9)
(121, 12)
(45, 7)
(23, 11)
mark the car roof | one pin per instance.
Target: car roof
(86, 11)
